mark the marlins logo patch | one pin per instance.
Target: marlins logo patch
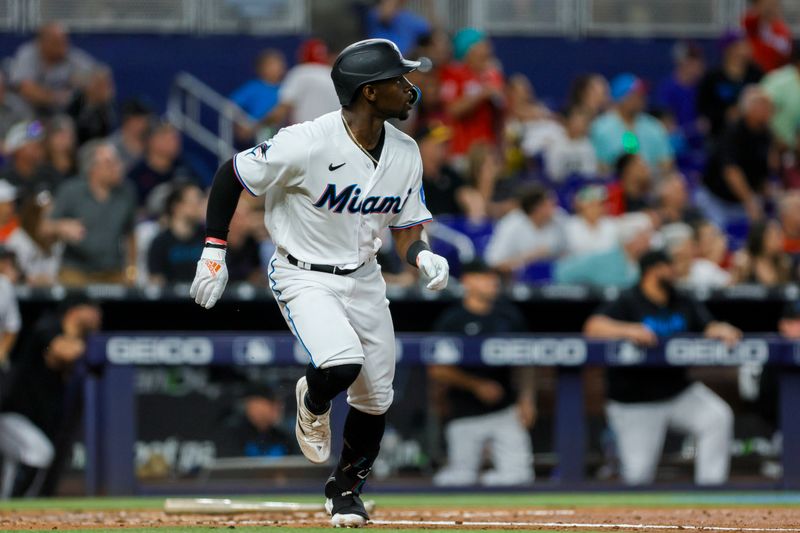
(260, 150)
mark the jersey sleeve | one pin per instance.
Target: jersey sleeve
(414, 210)
(273, 163)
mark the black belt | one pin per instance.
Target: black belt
(328, 269)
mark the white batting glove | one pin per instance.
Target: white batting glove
(210, 278)
(435, 268)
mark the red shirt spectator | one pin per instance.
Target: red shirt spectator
(472, 92)
(769, 36)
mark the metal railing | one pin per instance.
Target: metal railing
(188, 99)
(572, 18)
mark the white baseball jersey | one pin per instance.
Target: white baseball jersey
(326, 202)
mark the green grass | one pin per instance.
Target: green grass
(446, 501)
(460, 501)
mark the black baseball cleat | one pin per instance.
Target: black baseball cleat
(346, 508)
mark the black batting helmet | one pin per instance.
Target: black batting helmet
(367, 61)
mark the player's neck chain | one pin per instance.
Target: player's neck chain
(350, 133)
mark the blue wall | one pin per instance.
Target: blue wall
(144, 65)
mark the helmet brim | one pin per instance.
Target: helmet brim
(405, 67)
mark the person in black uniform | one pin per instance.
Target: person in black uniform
(255, 430)
(644, 401)
(34, 414)
(485, 406)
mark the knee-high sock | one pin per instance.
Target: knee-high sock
(362, 442)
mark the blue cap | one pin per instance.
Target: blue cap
(466, 39)
(624, 84)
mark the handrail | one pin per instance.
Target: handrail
(184, 110)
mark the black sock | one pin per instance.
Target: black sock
(325, 383)
(362, 442)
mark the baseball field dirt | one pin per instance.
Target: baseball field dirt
(651, 512)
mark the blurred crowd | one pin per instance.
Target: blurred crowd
(703, 165)
(703, 162)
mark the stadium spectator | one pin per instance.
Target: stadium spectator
(783, 88)
(92, 108)
(673, 203)
(572, 153)
(710, 250)
(254, 429)
(307, 91)
(430, 109)
(627, 129)
(10, 318)
(259, 96)
(484, 168)
(531, 233)
(98, 207)
(678, 93)
(589, 93)
(152, 220)
(36, 413)
(13, 109)
(390, 20)
(789, 216)
(769, 35)
(719, 90)
(472, 92)
(162, 162)
(735, 177)
(46, 71)
(35, 255)
(38, 252)
(762, 260)
(26, 167)
(441, 183)
(61, 145)
(245, 235)
(486, 407)
(643, 402)
(712, 243)
(616, 267)
(631, 190)
(436, 46)
(131, 137)
(529, 124)
(172, 256)
(590, 230)
(691, 271)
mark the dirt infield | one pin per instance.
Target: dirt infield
(578, 519)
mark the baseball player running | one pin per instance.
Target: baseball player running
(330, 187)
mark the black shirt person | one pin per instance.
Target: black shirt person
(481, 401)
(643, 402)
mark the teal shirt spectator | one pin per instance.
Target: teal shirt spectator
(256, 98)
(612, 138)
(601, 269)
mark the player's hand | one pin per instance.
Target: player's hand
(722, 331)
(641, 335)
(210, 278)
(435, 268)
(489, 392)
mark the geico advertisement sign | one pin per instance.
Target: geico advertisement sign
(711, 352)
(542, 351)
(160, 350)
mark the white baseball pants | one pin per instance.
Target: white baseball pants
(21, 442)
(510, 448)
(341, 320)
(640, 429)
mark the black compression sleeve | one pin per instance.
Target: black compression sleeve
(222, 201)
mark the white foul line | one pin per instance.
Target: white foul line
(454, 523)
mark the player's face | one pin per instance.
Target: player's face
(392, 97)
